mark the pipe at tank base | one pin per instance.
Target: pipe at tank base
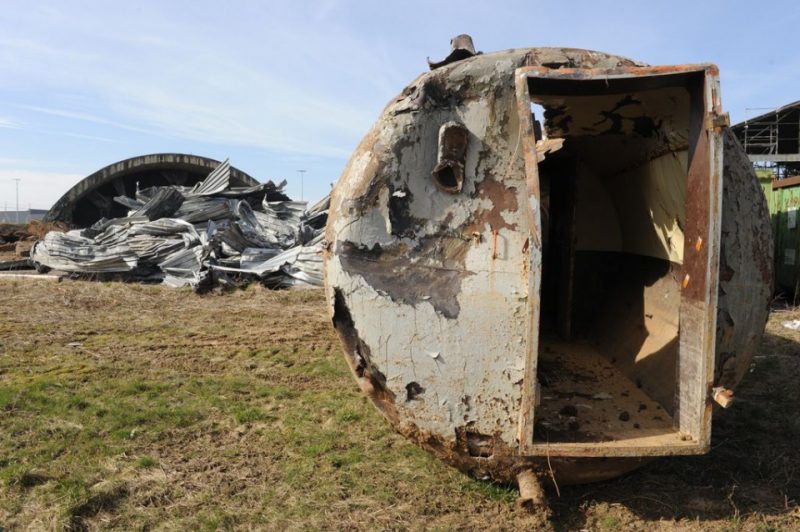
(531, 492)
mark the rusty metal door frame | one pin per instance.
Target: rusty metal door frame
(698, 308)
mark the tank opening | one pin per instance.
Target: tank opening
(448, 177)
(613, 210)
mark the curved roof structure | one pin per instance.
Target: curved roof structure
(92, 198)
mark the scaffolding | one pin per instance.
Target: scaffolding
(772, 139)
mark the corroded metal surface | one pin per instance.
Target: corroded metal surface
(746, 266)
(430, 278)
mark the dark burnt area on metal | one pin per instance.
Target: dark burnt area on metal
(725, 366)
(360, 357)
(430, 92)
(726, 273)
(413, 391)
(455, 55)
(433, 93)
(370, 195)
(558, 121)
(642, 125)
(403, 224)
(437, 281)
(556, 58)
(478, 445)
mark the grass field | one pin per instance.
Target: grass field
(138, 407)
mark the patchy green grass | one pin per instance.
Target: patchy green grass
(136, 407)
(146, 461)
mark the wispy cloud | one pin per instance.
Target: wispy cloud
(173, 81)
(85, 117)
(7, 123)
(95, 138)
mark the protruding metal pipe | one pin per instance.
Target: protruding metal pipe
(448, 174)
(531, 492)
(722, 396)
(461, 47)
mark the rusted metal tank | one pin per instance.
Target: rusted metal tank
(546, 264)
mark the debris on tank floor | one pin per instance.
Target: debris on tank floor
(793, 325)
(202, 236)
(573, 410)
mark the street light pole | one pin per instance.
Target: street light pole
(17, 179)
(302, 173)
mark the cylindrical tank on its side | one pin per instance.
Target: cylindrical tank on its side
(517, 245)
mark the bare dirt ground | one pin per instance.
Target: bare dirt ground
(138, 407)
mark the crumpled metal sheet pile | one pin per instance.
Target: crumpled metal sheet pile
(201, 236)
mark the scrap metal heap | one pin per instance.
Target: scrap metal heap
(211, 233)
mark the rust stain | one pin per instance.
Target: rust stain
(503, 198)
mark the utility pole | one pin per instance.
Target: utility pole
(302, 173)
(17, 179)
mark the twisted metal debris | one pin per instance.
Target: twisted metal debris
(211, 233)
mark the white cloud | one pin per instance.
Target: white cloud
(7, 123)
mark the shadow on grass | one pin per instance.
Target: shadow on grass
(106, 500)
(753, 466)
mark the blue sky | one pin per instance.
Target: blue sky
(280, 86)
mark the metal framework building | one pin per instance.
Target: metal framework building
(772, 139)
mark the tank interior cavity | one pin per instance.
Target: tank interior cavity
(613, 192)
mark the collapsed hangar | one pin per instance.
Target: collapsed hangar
(93, 197)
